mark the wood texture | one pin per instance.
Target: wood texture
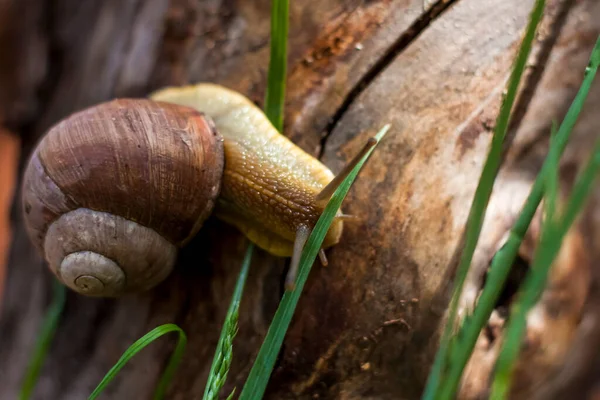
(366, 326)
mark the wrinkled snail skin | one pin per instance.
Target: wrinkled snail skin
(111, 193)
(270, 185)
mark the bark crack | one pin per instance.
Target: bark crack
(402, 42)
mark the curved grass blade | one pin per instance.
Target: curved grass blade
(263, 365)
(274, 99)
(136, 348)
(59, 295)
(505, 257)
(224, 352)
(480, 202)
(553, 233)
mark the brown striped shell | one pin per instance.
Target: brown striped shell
(111, 192)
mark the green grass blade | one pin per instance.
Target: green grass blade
(174, 360)
(275, 97)
(59, 295)
(481, 199)
(552, 176)
(136, 348)
(581, 189)
(505, 257)
(562, 138)
(553, 233)
(263, 365)
(224, 351)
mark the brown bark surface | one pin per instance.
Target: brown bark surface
(366, 326)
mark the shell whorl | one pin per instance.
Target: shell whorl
(91, 273)
(112, 191)
(87, 248)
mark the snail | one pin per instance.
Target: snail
(112, 192)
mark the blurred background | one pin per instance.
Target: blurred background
(435, 70)
(8, 165)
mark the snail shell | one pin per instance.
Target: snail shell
(111, 192)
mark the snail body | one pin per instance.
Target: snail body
(111, 192)
(270, 185)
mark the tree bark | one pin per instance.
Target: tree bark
(367, 325)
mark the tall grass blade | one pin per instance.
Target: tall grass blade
(480, 201)
(505, 257)
(553, 233)
(224, 352)
(263, 365)
(49, 325)
(274, 106)
(581, 189)
(274, 110)
(275, 97)
(136, 348)
(551, 188)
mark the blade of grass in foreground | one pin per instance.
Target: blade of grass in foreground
(480, 201)
(552, 176)
(263, 365)
(59, 294)
(548, 231)
(135, 348)
(224, 351)
(505, 257)
(274, 104)
(274, 100)
(553, 233)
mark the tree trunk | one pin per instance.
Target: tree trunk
(366, 326)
